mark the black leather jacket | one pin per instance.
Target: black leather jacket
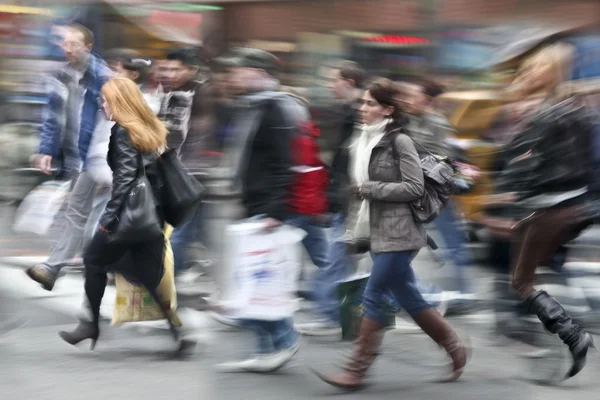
(553, 154)
(123, 160)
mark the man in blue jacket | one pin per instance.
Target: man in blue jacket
(66, 135)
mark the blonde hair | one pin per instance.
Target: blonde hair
(131, 111)
(558, 57)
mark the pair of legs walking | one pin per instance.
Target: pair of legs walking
(86, 202)
(536, 239)
(140, 262)
(392, 272)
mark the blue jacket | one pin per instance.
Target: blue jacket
(96, 74)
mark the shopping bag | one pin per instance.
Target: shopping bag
(263, 268)
(133, 302)
(39, 208)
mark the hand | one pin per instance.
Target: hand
(43, 162)
(102, 228)
(354, 191)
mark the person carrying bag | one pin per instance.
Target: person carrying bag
(130, 238)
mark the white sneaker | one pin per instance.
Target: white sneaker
(319, 328)
(261, 363)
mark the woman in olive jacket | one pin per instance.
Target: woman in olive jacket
(384, 187)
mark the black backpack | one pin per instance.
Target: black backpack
(438, 173)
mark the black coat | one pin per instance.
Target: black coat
(267, 174)
(339, 178)
(123, 160)
(553, 154)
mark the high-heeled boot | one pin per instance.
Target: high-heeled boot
(364, 354)
(83, 331)
(556, 320)
(437, 328)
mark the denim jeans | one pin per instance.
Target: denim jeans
(328, 273)
(273, 336)
(393, 273)
(455, 241)
(185, 235)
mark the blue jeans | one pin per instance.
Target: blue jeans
(325, 281)
(184, 235)
(455, 241)
(273, 336)
(393, 273)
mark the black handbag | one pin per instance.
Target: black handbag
(181, 193)
(138, 220)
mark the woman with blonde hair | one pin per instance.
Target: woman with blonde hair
(136, 141)
(548, 178)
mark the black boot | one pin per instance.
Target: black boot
(556, 320)
(84, 330)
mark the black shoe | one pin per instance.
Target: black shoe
(555, 319)
(84, 330)
(42, 275)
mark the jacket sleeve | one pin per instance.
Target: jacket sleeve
(50, 132)
(124, 175)
(412, 185)
(200, 137)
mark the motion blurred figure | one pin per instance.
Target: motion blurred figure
(548, 178)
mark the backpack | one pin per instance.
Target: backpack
(308, 191)
(438, 173)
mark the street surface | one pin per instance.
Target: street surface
(132, 362)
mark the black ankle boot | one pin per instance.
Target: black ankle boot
(556, 320)
(84, 330)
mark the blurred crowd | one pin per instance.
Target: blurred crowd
(108, 121)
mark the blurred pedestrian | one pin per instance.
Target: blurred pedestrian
(383, 189)
(66, 135)
(267, 121)
(138, 70)
(431, 130)
(549, 177)
(188, 113)
(347, 86)
(136, 140)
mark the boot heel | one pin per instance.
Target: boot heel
(93, 344)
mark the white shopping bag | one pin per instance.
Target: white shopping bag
(37, 211)
(264, 268)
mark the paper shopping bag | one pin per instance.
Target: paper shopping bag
(134, 303)
(263, 270)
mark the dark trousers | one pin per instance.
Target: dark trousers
(141, 263)
(536, 239)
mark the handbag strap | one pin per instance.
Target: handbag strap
(398, 131)
(141, 173)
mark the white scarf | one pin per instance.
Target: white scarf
(360, 153)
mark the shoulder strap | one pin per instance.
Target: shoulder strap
(395, 134)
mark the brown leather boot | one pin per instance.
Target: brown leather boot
(434, 325)
(365, 352)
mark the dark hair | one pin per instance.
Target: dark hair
(120, 55)
(386, 93)
(88, 36)
(187, 56)
(139, 66)
(351, 70)
(430, 88)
